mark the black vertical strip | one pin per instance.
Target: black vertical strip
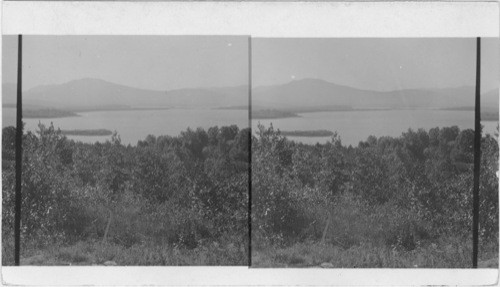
(477, 158)
(250, 151)
(19, 145)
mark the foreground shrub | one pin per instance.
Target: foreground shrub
(401, 194)
(182, 192)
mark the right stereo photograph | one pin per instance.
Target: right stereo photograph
(363, 152)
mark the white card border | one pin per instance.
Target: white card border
(258, 19)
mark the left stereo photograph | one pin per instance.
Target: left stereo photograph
(135, 150)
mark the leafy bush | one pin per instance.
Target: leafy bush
(402, 193)
(183, 192)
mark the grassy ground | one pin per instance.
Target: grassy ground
(454, 254)
(451, 255)
(97, 253)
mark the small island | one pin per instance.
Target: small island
(487, 113)
(327, 108)
(98, 132)
(232, 108)
(272, 114)
(489, 116)
(47, 114)
(313, 133)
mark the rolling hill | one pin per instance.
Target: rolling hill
(307, 94)
(90, 94)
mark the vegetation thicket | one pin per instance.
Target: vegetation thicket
(389, 202)
(166, 201)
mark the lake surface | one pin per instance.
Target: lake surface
(356, 126)
(136, 125)
(351, 126)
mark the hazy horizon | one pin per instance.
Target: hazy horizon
(146, 62)
(430, 73)
(125, 85)
(138, 61)
(377, 64)
(242, 85)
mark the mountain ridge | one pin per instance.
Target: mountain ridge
(89, 92)
(304, 93)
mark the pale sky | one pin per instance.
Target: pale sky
(149, 62)
(172, 62)
(376, 64)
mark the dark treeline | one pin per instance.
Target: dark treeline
(97, 132)
(272, 114)
(404, 194)
(47, 113)
(314, 133)
(185, 194)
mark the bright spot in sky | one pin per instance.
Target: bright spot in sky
(293, 77)
(229, 44)
(400, 67)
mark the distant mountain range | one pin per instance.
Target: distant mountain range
(300, 95)
(308, 94)
(94, 94)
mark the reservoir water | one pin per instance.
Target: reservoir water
(134, 125)
(352, 126)
(356, 126)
